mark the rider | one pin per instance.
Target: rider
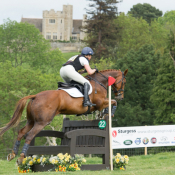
(72, 69)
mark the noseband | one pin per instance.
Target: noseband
(113, 86)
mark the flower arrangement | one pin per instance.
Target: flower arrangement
(120, 161)
(60, 162)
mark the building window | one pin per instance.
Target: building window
(74, 37)
(61, 20)
(48, 35)
(54, 35)
(51, 20)
(60, 37)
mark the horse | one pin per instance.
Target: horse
(44, 106)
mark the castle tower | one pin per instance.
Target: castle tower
(58, 25)
(68, 22)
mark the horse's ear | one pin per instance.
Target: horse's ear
(125, 72)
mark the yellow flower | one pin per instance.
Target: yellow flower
(34, 159)
(66, 155)
(38, 160)
(30, 162)
(53, 161)
(67, 159)
(117, 160)
(118, 155)
(84, 160)
(122, 168)
(125, 156)
(44, 159)
(23, 162)
(77, 168)
(60, 154)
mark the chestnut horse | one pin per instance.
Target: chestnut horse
(43, 106)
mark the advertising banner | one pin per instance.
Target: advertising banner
(143, 136)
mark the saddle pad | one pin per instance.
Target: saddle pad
(74, 92)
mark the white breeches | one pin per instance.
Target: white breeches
(69, 73)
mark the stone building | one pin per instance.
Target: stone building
(59, 25)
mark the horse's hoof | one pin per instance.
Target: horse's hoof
(20, 159)
(11, 156)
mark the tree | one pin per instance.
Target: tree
(138, 34)
(100, 26)
(137, 109)
(145, 11)
(164, 91)
(168, 17)
(171, 46)
(22, 44)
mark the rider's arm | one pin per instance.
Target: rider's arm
(89, 70)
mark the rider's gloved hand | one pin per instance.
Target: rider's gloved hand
(96, 70)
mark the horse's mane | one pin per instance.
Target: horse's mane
(109, 70)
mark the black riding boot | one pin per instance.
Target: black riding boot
(86, 101)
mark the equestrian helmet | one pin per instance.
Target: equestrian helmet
(87, 51)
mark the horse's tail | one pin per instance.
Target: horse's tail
(17, 114)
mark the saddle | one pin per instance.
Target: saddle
(75, 84)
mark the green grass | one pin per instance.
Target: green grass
(158, 164)
(70, 54)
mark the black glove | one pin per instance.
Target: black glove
(96, 70)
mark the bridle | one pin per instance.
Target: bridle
(120, 90)
(114, 89)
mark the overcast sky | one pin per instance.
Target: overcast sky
(15, 9)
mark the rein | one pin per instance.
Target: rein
(96, 81)
(115, 89)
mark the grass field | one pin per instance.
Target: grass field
(159, 164)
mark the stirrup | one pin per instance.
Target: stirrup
(88, 103)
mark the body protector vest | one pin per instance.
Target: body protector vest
(75, 62)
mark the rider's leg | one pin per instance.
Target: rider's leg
(69, 73)
(86, 101)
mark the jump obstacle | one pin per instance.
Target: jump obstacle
(77, 137)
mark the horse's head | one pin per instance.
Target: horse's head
(118, 86)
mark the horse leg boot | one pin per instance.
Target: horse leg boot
(14, 151)
(86, 101)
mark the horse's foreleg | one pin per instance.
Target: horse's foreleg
(31, 134)
(21, 133)
(106, 105)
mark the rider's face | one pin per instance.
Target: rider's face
(88, 57)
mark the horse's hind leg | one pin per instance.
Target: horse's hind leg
(31, 134)
(21, 133)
